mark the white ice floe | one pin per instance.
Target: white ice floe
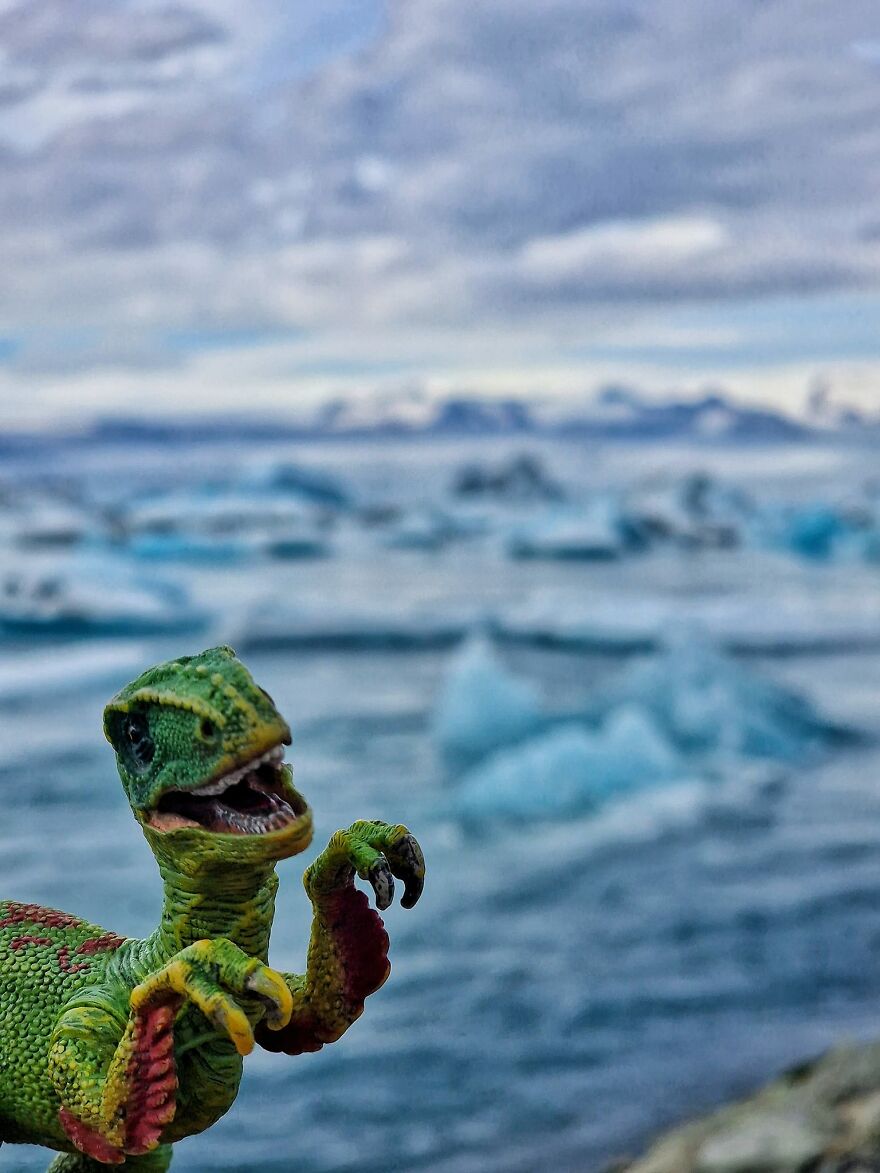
(28, 675)
(223, 526)
(96, 602)
(308, 624)
(801, 619)
(595, 533)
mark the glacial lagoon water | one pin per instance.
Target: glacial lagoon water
(572, 980)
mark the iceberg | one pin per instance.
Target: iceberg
(313, 485)
(194, 549)
(519, 480)
(482, 707)
(707, 703)
(570, 770)
(219, 526)
(596, 533)
(843, 617)
(94, 602)
(810, 531)
(696, 511)
(272, 623)
(32, 676)
(419, 529)
(63, 605)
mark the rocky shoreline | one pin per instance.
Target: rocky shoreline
(822, 1116)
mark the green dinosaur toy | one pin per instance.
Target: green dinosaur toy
(112, 1049)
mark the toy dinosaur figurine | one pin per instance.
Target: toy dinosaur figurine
(112, 1049)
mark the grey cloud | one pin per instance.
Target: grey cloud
(468, 131)
(90, 35)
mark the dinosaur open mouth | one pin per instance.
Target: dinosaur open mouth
(255, 799)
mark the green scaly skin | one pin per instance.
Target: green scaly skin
(111, 1049)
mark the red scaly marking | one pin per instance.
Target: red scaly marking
(35, 914)
(362, 944)
(88, 1141)
(109, 942)
(297, 1038)
(64, 961)
(152, 1099)
(152, 1086)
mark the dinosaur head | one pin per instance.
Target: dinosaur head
(199, 749)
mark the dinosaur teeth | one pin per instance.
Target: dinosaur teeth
(274, 757)
(255, 798)
(217, 787)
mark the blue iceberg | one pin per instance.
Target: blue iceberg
(308, 484)
(570, 770)
(482, 707)
(598, 532)
(707, 703)
(419, 529)
(810, 531)
(217, 526)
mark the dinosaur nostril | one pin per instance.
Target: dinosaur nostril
(207, 729)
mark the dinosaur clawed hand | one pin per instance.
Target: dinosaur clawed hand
(214, 976)
(377, 852)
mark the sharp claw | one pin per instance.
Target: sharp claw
(412, 891)
(414, 870)
(230, 1020)
(272, 990)
(382, 881)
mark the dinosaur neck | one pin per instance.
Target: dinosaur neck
(238, 905)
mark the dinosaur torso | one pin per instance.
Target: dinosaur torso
(45, 958)
(51, 960)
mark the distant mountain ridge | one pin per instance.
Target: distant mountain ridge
(616, 413)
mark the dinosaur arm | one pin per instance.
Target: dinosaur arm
(116, 1083)
(348, 948)
(347, 961)
(117, 1079)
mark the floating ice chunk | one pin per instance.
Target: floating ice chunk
(190, 548)
(419, 529)
(706, 702)
(868, 546)
(696, 511)
(220, 526)
(431, 529)
(314, 485)
(599, 532)
(520, 479)
(482, 707)
(570, 769)
(273, 623)
(812, 531)
(92, 603)
(34, 675)
(618, 617)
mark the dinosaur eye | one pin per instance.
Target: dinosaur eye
(207, 729)
(137, 735)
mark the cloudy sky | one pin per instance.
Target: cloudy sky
(210, 203)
